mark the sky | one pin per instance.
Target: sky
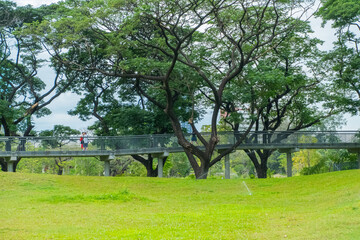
(34, 3)
(67, 101)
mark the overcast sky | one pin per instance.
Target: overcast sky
(34, 3)
(67, 101)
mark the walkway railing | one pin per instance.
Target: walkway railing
(13, 148)
(169, 141)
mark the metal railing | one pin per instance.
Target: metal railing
(168, 141)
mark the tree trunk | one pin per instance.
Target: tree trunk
(3, 164)
(261, 171)
(60, 171)
(150, 172)
(60, 168)
(260, 167)
(202, 172)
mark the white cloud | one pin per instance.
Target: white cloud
(61, 118)
(34, 3)
(59, 108)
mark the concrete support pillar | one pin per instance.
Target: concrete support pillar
(227, 166)
(106, 160)
(107, 168)
(10, 166)
(160, 157)
(160, 167)
(10, 163)
(289, 164)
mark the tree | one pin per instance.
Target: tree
(119, 107)
(135, 117)
(171, 50)
(344, 59)
(23, 95)
(286, 95)
(61, 134)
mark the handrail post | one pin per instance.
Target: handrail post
(8, 145)
(102, 143)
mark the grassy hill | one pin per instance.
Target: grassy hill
(324, 206)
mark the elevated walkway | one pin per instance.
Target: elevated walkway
(107, 148)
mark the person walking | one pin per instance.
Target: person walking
(85, 141)
(82, 143)
(193, 138)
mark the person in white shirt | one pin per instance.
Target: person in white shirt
(85, 141)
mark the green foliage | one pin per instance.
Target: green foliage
(308, 162)
(74, 166)
(132, 120)
(85, 167)
(241, 164)
(23, 94)
(342, 12)
(33, 165)
(344, 59)
(315, 169)
(275, 164)
(61, 133)
(180, 166)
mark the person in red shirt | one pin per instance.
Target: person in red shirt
(82, 143)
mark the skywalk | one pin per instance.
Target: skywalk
(108, 147)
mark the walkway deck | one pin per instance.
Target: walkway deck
(107, 148)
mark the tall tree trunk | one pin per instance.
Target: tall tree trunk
(60, 170)
(260, 166)
(261, 171)
(150, 172)
(201, 170)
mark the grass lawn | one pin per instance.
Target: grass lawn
(324, 206)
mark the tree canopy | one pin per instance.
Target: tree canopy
(144, 67)
(344, 59)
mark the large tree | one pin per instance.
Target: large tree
(154, 44)
(290, 88)
(120, 110)
(23, 94)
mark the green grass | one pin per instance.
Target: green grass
(324, 206)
